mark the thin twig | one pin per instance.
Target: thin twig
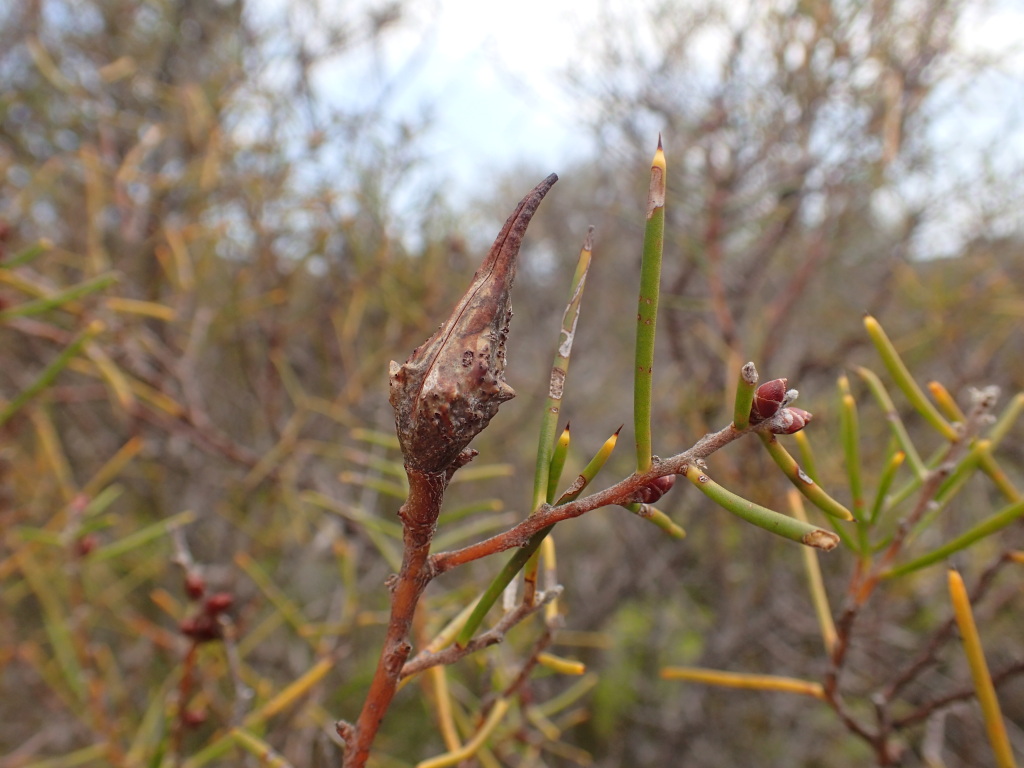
(929, 654)
(450, 655)
(926, 710)
(622, 492)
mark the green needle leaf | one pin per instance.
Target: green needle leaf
(987, 527)
(898, 370)
(60, 298)
(762, 517)
(559, 371)
(802, 481)
(51, 371)
(895, 423)
(522, 556)
(745, 389)
(647, 311)
(885, 482)
(557, 464)
(983, 685)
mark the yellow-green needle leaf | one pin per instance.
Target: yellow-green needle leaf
(29, 254)
(895, 423)
(885, 482)
(746, 681)
(559, 371)
(994, 725)
(987, 527)
(849, 431)
(1006, 419)
(557, 464)
(898, 370)
(561, 666)
(498, 711)
(51, 371)
(590, 471)
(60, 298)
(659, 518)
(802, 481)
(989, 465)
(945, 402)
(803, 444)
(524, 554)
(770, 520)
(819, 597)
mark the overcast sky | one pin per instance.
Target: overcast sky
(491, 75)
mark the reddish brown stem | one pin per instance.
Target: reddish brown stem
(419, 517)
(622, 492)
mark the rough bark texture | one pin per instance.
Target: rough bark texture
(444, 395)
(451, 386)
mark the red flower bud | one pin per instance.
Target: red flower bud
(86, 544)
(195, 585)
(219, 602)
(789, 420)
(768, 398)
(655, 489)
(193, 717)
(202, 628)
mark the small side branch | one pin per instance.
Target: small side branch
(622, 492)
(492, 637)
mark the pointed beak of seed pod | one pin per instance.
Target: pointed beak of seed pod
(451, 386)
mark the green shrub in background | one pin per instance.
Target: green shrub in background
(199, 478)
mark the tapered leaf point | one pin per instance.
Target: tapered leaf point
(656, 192)
(564, 437)
(659, 158)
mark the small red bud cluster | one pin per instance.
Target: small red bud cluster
(771, 402)
(204, 625)
(84, 545)
(193, 718)
(789, 420)
(768, 399)
(655, 489)
(195, 585)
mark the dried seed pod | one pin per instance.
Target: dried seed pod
(451, 386)
(789, 420)
(655, 489)
(768, 398)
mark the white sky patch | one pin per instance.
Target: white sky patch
(502, 68)
(488, 74)
(490, 77)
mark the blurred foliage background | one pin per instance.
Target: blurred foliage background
(205, 267)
